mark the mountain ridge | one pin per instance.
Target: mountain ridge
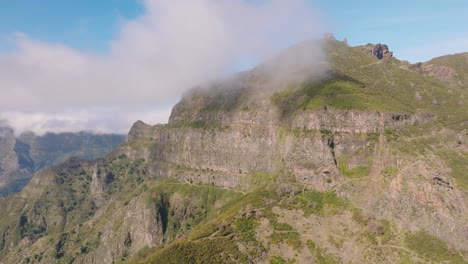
(364, 164)
(23, 155)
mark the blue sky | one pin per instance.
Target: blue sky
(437, 27)
(84, 24)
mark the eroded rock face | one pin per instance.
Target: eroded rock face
(225, 147)
(380, 51)
(443, 73)
(8, 159)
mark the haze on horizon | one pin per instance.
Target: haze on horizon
(169, 47)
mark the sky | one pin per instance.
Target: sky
(69, 65)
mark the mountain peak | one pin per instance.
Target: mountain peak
(380, 51)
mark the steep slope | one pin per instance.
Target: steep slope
(21, 157)
(391, 141)
(359, 163)
(450, 68)
(8, 160)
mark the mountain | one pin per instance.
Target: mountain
(450, 68)
(21, 157)
(352, 159)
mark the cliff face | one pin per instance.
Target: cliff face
(7, 142)
(12, 157)
(380, 51)
(233, 145)
(22, 156)
(352, 152)
(318, 170)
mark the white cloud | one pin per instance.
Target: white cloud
(98, 120)
(174, 46)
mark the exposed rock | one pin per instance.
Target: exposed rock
(380, 51)
(444, 73)
(442, 182)
(22, 156)
(9, 166)
(451, 69)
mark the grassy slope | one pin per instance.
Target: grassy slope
(362, 82)
(259, 226)
(358, 82)
(458, 62)
(50, 214)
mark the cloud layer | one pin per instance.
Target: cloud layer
(172, 47)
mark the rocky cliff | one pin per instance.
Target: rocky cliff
(380, 51)
(362, 163)
(15, 167)
(22, 156)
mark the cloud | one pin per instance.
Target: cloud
(98, 120)
(172, 47)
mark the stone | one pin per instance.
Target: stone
(380, 51)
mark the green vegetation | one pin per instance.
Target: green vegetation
(356, 172)
(390, 171)
(220, 235)
(281, 226)
(321, 255)
(361, 82)
(458, 162)
(246, 227)
(291, 238)
(280, 260)
(260, 180)
(432, 248)
(338, 91)
(320, 203)
(218, 250)
(458, 62)
(277, 260)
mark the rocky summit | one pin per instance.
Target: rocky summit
(380, 51)
(348, 159)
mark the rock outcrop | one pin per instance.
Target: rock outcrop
(380, 51)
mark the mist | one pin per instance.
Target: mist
(172, 47)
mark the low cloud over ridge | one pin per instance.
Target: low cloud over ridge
(172, 47)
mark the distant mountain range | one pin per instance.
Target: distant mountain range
(22, 156)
